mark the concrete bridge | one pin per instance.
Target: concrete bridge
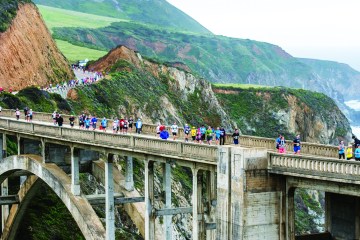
(249, 194)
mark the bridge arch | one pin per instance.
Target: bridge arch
(80, 209)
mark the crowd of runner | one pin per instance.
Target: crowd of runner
(352, 150)
(201, 135)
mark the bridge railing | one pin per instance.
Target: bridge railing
(289, 164)
(248, 141)
(139, 142)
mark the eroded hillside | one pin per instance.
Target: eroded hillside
(29, 55)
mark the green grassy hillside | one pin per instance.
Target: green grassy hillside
(155, 12)
(8, 9)
(219, 59)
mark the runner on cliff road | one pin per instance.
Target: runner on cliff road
(17, 114)
(209, 133)
(72, 121)
(104, 124)
(236, 137)
(297, 144)
(222, 135)
(138, 126)
(349, 152)
(187, 132)
(174, 130)
(193, 134)
(131, 122)
(282, 145)
(341, 148)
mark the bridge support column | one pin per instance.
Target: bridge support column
(211, 203)
(223, 194)
(4, 208)
(19, 147)
(18, 144)
(290, 214)
(4, 146)
(129, 179)
(109, 198)
(149, 200)
(4, 185)
(75, 184)
(167, 190)
(195, 232)
(43, 152)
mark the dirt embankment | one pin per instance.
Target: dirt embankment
(29, 55)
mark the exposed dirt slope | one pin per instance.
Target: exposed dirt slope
(29, 55)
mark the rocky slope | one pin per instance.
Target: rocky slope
(155, 92)
(29, 55)
(269, 111)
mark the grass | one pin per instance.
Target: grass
(74, 53)
(56, 17)
(241, 86)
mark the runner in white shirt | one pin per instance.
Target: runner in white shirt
(174, 130)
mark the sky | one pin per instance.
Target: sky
(320, 29)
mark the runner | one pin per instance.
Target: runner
(203, 132)
(164, 134)
(87, 123)
(121, 124)
(357, 153)
(59, 120)
(115, 125)
(187, 132)
(72, 121)
(297, 144)
(277, 142)
(222, 135)
(81, 121)
(236, 136)
(53, 115)
(209, 133)
(349, 152)
(217, 135)
(126, 126)
(193, 133)
(17, 114)
(174, 130)
(138, 126)
(104, 124)
(282, 145)
(341, 148)
(199, 136)
(30, 113)
(93, 122)
(26, 109)
(131, 122)
(158, 130)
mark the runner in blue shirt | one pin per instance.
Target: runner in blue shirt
(104, 124)
(93, 122)
(87, 122)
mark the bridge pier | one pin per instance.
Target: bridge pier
(75, 183)
(4, 185)
(195, 231)
(149, 200)
(109, 198)
(167, 190)
(129, 178)
(211, 204)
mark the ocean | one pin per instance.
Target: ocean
(354, 104)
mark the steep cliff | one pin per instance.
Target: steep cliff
(29, 55)
(270, 111)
